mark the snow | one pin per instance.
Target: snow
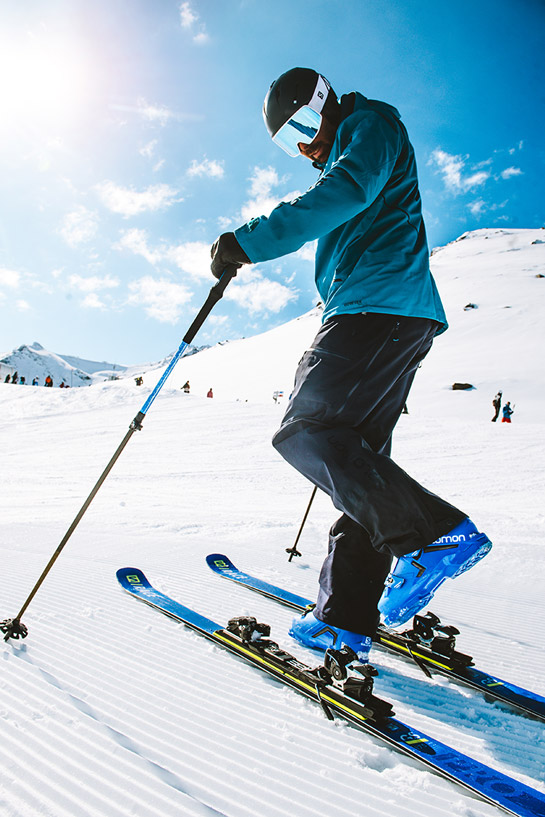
(109, 709)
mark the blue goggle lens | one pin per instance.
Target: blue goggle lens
(303, 126)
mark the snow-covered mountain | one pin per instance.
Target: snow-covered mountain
(110, 710)
(34, 361)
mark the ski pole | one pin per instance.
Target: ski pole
(293, 550)
(14, 628)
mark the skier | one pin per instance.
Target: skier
(210, 392)
(7, 378)
(48, 381)
(186, 387)
(507, 412)
(381, 313)
(15, 378)
(496, 402)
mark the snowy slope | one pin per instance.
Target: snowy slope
(492, 346)
(109, 709)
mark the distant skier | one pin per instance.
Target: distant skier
(35, 382)
(48, 381)
(496, 402)
(507, 412)
(210, 392)
(381, 313)
(15, 378)
(22, 380)
(139, 380)
(186, 387)
(7, 378)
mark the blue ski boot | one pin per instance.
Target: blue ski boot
(311, 632)
(415, 578)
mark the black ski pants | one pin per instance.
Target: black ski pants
(350, 388)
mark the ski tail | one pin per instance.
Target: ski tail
(222, 564)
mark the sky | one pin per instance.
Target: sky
(131, 136)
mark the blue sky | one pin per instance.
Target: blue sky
(131, 136)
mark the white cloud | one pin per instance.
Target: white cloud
(452, 167)
(263, 199)
(187, 16)
(79, 226)
(148, 149)
(129, 202)
(208, 167)
(92, 301)
(518, 147)
(263, 181)
(192, 257)
(218, 320)
(92, 283)
(9, 278)
(476, 180)
(189, 20)
(161, 299)
(136, 241)
(477, 207)
(511, 171)
(201, 37)
(154, 113)
(23, 306)
(307, 251)
(257, 294)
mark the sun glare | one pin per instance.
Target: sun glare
(44, 82)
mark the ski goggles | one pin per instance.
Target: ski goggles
(304, 124)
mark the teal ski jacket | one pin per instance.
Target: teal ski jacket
(365, 210)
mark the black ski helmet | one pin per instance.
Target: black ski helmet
(287, 94)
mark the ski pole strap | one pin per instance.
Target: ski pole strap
(215, 294)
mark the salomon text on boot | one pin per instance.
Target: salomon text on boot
(415, 578)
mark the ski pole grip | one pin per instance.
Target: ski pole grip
(213, 297)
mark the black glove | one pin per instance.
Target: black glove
(227, 252)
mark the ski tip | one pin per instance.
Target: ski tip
(219, 562)
(131, 578)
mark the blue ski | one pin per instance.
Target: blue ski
(428, 643)
(337, 689)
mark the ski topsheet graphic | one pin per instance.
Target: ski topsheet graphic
(344, 688)
(430, 644)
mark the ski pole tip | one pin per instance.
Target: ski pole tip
(13, 628)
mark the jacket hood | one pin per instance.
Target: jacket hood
(362, 103)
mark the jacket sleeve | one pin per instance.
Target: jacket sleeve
(349, 187)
